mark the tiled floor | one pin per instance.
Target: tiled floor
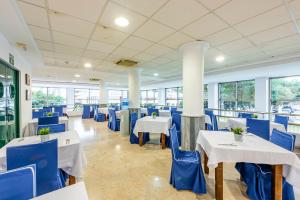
(119, 170)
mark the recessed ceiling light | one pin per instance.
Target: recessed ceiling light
(155, 74)
(121, 21)
(77, 75)
(87, 65)
(220, 58)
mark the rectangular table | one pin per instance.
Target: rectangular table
(74, 192)
(220, 147)
(149, 124)
(71, 157)
(31, 128)
(241, 123)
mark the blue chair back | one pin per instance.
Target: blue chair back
(176, 120)
(37, 114)
(18, 184)
(59, 110)
(54, 128)
(259, 127)
(152, 110)
(285, 140)
(166, 108)
(174, 142)
(44, 156)
(54, 114)
(245, 115)
(133, 119)
(177, 111)
(284, 120)
(48, 120)
(210, 113)
(86, 112)
(47, 109)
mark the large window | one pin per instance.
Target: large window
(114, 96)
(86, 96)
(172, 96)
(285, 96)
(237, 95)
(149, 97)
(46, 96)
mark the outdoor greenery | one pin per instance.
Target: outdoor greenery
(40, 99)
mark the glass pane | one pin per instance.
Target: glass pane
(3, 124)
(81, 96)
(245, 95)
(57, 96)
(39, 97)
(180, 93)
(114, 96)
(227, 95)
(171, 93)
(94, 96)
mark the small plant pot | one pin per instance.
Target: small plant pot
(44, 138)
(238, 138)
(153, 116)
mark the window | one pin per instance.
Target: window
(205, 96)
(149, 97)
(173, 98)
(94, 96)
(114, 96)
(237, 95)
(86, 96)
(285, 96)
(43, 96)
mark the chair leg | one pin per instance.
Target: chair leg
(206, 169)
(141, 138)
(163, 141)
(219, 182)
(72, 180)
(277, 182)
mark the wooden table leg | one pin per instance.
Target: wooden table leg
(163, 141)
(141, 138)
(219, 182)
(277, 182)
(206, 169)
(72, 180)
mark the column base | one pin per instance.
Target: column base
(190, 127)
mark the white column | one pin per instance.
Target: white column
(192, 77)
(262, 98)
(134, 88)
(102, 93)
(213, 95)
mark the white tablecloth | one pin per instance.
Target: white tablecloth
(157, 125)
(105, 111)
(31, 128)
(241, 123)
(253, 149)
(71, 157)
(74, 192)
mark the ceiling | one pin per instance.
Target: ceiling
(70, 33)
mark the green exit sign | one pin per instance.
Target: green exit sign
(11, 59)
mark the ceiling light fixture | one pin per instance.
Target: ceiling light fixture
(77, 75)
(87, 65)
(155, 74)
(220, 58)
(121, 21)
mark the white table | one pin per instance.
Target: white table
(105, 111)
(71, 157)
(74, 192)
(241, 123)
(149, 124)
(31, 128)
(220, 147)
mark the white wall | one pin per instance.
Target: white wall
(24, 68)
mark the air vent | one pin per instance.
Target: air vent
(94, 79)
(127, 63)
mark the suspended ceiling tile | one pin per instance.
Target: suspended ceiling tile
(40, 33)
(100, 46)
(94, 54)
(70, 40)
(158, 50)
(43, 45)
(153, 31)
(123, 52)
(236, 45)
(136, 43)
(176, 40)
(40, 3)
(142, 57)
(113, 11)
(109, 35)
(213, 4)
(178, 13)
(68, 50)
(223, 36)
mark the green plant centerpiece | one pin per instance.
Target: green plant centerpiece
(254, 116)
(154, 114)
(238, 134)
(44, 134)
(49, 114)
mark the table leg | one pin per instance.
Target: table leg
(72, 180)
(163, 141)
(206, 169)
(219, 182)
(277, 182)
(141, 138)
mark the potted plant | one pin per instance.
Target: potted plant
(254, 116)
(154, 114)
(44, 133)
(238, 134)
(49, 114)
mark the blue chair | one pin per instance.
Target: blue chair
(54, 128)
(86, 112)
(166, 108)
(133, 138)
(109, 123)
(115, 123)
(47, 109)
(152, 110)
(245, 115)
(259, 127)
(59, 110)
(258, 176)
(176, 120)
(54, 114)
(99, 117)
(37, 114)
(48, 120)
(284, 120)
(18, 184)
(210, 113)
(44, 156)
(186, 171)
